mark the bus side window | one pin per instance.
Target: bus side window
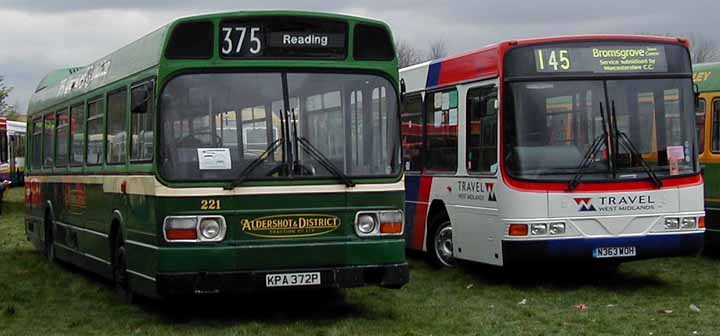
(700, 125)
(116, 135)
(141, 124)
(716, 127)
(413, 130)
(37, 129)
(481, 129)
(77, 134)
(49, 140)
(441, 122)
(3, 147)
(95, 149)
(61, 138)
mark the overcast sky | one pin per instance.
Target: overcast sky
(39, 36)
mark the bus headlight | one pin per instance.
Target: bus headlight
(211, 229)
(379, 223)
(366, 223)
(194, 228)
(557, 228)
(539, 229)
(672, 223)
(688, 223)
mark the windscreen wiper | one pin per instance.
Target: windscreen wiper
(587, 160)
(254, 164)
(624, 140)
(590, 153)
(324, 161)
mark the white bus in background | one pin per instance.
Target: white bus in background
(12, 151)
(571, 149)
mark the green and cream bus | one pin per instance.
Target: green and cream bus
(225, 153)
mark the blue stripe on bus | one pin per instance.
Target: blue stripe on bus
(412, 190)
(651, 246)
(433, 74)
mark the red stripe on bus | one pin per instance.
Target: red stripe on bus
(421, 211)
(476, 64)
(673, 182)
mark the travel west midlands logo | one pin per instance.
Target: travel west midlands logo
(475, 190)
(584, 204)
(615, 203)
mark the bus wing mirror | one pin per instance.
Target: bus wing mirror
(140, 98)
(696, 92)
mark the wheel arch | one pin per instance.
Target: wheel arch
(117, 226)
(436, 210)
(48, 213)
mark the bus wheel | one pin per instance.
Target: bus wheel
(441, 254)
(49, 249)
(119, 268)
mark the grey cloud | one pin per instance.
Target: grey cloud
(464, 25)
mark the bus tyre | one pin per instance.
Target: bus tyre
(49, 247)
(119, 270)
(441, 244)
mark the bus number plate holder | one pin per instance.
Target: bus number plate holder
(614, 252)
(292, 279)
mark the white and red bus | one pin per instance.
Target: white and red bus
(12, 151)
(565, 149)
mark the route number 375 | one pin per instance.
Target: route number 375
(554, 60)
(235, 38)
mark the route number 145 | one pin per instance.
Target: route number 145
(553, 60)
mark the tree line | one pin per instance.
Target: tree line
(6, 110)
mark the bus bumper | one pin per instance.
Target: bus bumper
(582, 249)
(175, 284)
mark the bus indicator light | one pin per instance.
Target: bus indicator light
(391, 227)
(181, 234)
(518, 230)
(701, 222)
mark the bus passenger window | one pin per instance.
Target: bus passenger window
(116, 136)
(37, 129)
(141, 124)
(481, 129)
(716, 127)
(3, 147)
(77, 135)
(700, 125)
(413, 130)
(49, 140)
(95, 148)
(442, 131)
(61, 141)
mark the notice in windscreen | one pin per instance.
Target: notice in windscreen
(214, 158)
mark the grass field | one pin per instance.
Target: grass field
(38, 298)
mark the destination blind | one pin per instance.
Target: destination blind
(602, 59)
(287, 38)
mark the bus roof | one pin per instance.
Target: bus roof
(486, 62)
(142, 54)
(707, 76)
